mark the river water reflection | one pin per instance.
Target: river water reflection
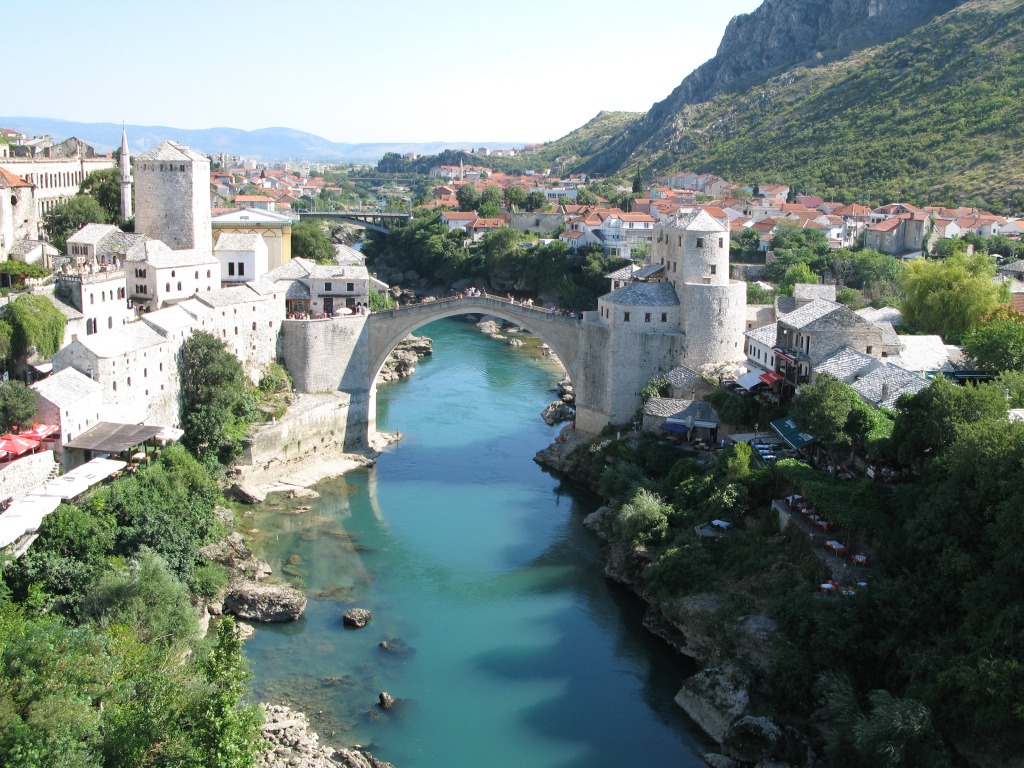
(508, 647)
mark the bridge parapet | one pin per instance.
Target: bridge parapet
(483, 302)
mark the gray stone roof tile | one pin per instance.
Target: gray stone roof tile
(671, 408)
(766, 334)
(65, 387)
(644, 295)
(171, 151)
(883, 386)
(809, 313)
(847, 365)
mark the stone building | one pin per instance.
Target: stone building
(158, 275)
(694, 317)
(172, 197)
(323, 288)
(70, 400)
(243, 257)
(274, 227)
(19, 219)
(57, 171)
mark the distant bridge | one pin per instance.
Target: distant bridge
(375, 220)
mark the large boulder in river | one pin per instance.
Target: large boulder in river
(259, 601)
(715, 698)
(357, 618)
(558, 412)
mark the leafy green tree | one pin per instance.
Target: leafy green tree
(514, 197)
(37, 326)
(536, 201)
(929, 421)
(468, 197)
(744, 245)
(950, 297)
(66, 218)
(643, 520)
(798, 273)
(824, 409)
(212, 383)
(585, 197)
(105, 186)
(227, 729)
(381, 301)
(17, 405)
(758, 295)
(641, 253)
(310, 241)
(997, 343)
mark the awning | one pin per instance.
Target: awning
(39, 431)
(671, 426)
(23, 517)
(65, 487)
(770, 377)
(750, 380)
(791, 434)
(108, 437)
(17, 444)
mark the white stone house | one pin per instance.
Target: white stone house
(137, 370)
(458, 219)
(18, 217)
(243, 257)
(70, 400)
(159, 275)
(101, 297)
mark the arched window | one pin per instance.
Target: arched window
(207, 273)
(254, 326)
(129, 381)
(197, 274)
(145, 373)
(179, 285)
(168, 288)
(110, 322)
(173, 273)
(92, 298)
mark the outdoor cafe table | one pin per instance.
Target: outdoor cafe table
(859, 559)
(835, 547)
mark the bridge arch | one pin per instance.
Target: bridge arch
(388, 328)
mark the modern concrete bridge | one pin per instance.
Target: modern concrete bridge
(375, 220)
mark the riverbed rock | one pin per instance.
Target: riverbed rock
(515, 342)
(600, 521)
(291, 744)
(228, 551)
(302, 493)
(488, 326)
(716, 760)
(557, 412)
(387, 701)
(259, 601)
(357, 618)
(715, 698)
(759, 739)
(247, 494)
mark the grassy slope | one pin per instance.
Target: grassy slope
(934, 116)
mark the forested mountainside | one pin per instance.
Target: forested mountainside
(933, 115)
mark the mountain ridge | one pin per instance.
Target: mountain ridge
(275, 143)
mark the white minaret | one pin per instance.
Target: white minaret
(125, 166)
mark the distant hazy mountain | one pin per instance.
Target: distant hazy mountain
(264, 144)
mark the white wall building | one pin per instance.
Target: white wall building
(159, 275)
(243, 257)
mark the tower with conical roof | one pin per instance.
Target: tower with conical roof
(125, 166)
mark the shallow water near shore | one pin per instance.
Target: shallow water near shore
(507, 646)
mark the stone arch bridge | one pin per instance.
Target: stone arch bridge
(347, 353)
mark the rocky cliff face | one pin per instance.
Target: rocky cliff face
(779, 35)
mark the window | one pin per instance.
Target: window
(647, 317)
(664, 317)
(714, 269)
(173, 274)
(92, 299)
(254, 326)
(241, 268)
(179, 285)
(110, 322)
(328, 287)
(231, 268)
(680, 239)
(700, 242)
(161, 366)
(129, 381)
(868, 350)
(167, 288)
(350, 287)
(207, 273)
(721, 242)
(114, 385)
(145, 373)
(625, 317)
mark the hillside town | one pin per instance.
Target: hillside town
(207, 253)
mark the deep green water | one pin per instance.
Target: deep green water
(513, 649)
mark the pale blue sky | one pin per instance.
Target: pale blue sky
(374, 70)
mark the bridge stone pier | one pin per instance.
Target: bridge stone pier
(347, 353)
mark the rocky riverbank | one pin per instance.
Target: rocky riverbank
(718, 698)
(291, 744)
(402, 362)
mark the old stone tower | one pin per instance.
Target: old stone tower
(172, 196)
(680, 310)
(125, 167)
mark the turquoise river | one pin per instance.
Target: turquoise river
(508, 645)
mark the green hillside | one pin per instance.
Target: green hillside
(935, 116)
